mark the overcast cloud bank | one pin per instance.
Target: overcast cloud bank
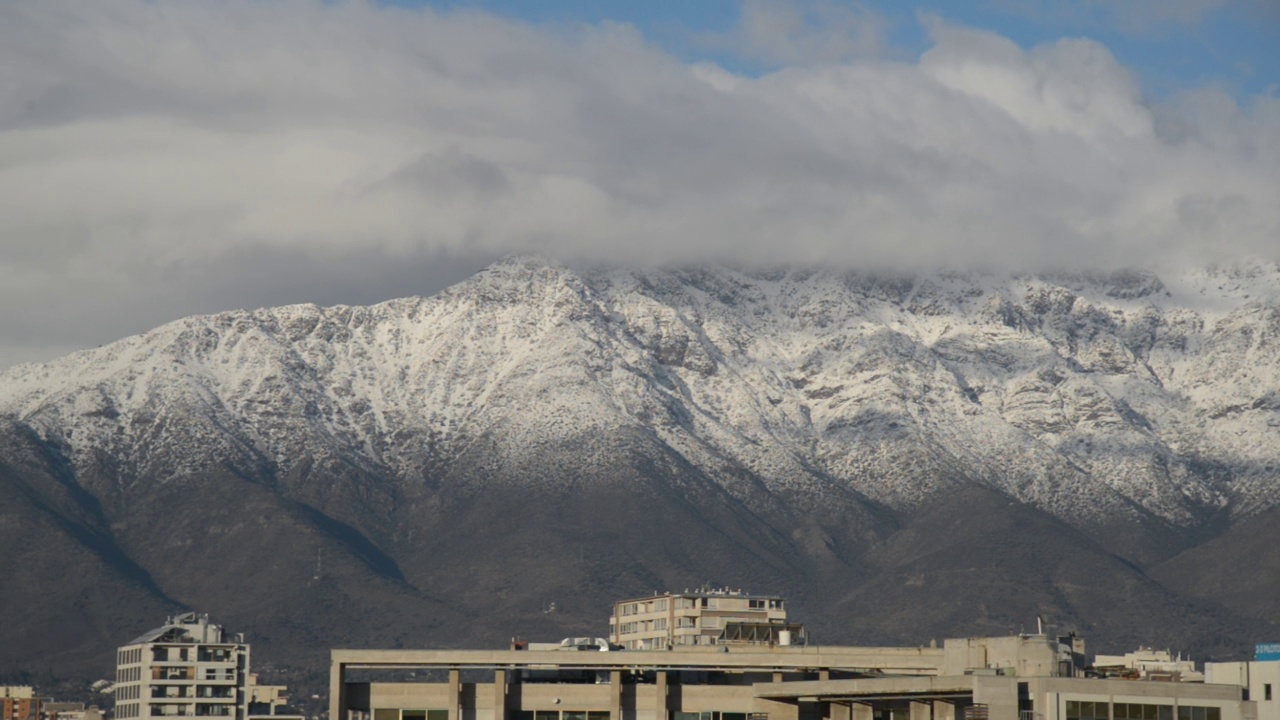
(162, 158)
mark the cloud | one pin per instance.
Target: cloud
(1135, 17)
(791, 32)
(157, 156)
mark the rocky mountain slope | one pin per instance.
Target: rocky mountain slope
(540, 434)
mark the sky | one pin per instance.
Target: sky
(161, 158)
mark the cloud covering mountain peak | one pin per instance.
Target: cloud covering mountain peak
(168, 146)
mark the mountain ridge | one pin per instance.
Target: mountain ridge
(536, 418)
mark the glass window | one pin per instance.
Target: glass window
(1149, 712)
(546, 715)
(684, 716)
(413, 715)
(1212, 713)
(574, 715)
(597, 715)
(1266, 691)
(1166, 712)
(386, 714)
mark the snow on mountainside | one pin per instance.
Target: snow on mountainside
(1089, 396)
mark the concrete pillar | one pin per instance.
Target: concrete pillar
(860, 711)
(943, 710)
(777, 710)
(999, 694)
(499, 695)
(455, 694)
(921, 710)
(660, 703)
(615, 695)
(840, 711)
(337, 691)
(824, 674)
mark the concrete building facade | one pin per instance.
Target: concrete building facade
(702, 617)
(1260, 680)
(1008, 678)
(187, 667)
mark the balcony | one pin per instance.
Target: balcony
(171, 691)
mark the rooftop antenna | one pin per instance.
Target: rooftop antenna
(549, 609)
(319, 563)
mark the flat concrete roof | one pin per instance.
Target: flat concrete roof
(919, 661)
(869, 688)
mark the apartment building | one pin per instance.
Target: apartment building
(708, 616)
(18, 702)
(187, 667)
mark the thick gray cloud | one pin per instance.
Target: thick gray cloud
(161, 158)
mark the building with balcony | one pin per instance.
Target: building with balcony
(706, 616)
(18, 702)
(187, 667)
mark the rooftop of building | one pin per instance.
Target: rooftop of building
(703, 592)
(184, 628)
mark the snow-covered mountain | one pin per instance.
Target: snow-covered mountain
(1086, 396)
(795, 420)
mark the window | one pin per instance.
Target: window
(1191, 712)
(755, 604)
(1135, 711)
(1266, 691)
(1084, 710)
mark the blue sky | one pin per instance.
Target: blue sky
(1170, 44)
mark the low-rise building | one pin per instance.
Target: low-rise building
(1260, 678)
(1023, 677)
(266, 702)
(70, 711)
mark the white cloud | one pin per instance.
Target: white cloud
(145, 141)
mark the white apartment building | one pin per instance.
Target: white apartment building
(1259, 678)
(185, 668)
(702, 617)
